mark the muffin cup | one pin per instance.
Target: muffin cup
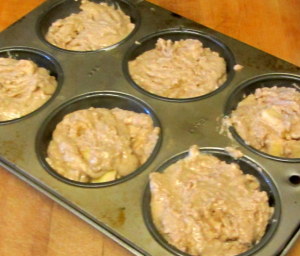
(65, 8)
(97, 100)
(42, 59)
(148, 43)
(249, 87)
(248, 167)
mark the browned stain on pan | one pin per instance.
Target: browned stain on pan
(12, 150)
(116, 218)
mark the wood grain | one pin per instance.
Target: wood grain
(33, 225)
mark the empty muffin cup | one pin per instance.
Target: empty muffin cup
(246, 165)
(98, 131)
(30, 80)
(90, 31)
(179, 65)
(271, 115)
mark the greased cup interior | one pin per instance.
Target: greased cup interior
(107, 100)
(248, 167)
(148, 43)
(65, 8)
(41, 59)
(249, 87)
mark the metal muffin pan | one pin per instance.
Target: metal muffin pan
(117, 210)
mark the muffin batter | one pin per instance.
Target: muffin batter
(98, 144)
(180, 69)
(269, 120)
(24, 87)
(204, 206)
(95, 27)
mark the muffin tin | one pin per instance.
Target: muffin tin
(100, 78)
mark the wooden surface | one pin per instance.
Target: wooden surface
(33, 225)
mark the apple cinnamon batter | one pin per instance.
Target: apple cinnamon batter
(204, 206)
(269, 120)
(96, 26)
(99, 144)
(180, 69)
(24, 87)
